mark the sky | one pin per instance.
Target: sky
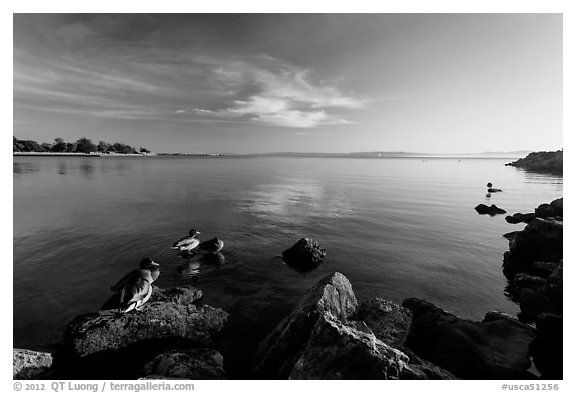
(255, 83)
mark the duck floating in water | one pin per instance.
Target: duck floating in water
(490, 189)
(136, 287)
(213, 245)
(187, 243)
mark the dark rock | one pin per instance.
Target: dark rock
(180, 295)
(520, 217)
(526, 281)
(555, 288)
(31, 364)
(542, 269)
(280, 350)
(106, 330)
(490, 210)
(554, 209)
(388, 321)
(541, 240)
(533, 303)
(419, 368)
(306, 254)
(542, 162)
(341, 350)
(194, 364)
(496, 348)
(510, 235)
(548, 346)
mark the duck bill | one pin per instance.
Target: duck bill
(155, 264)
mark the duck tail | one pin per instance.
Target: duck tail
(124, 308)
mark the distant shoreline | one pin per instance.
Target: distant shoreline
(281, 155)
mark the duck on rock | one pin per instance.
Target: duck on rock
(136, 287)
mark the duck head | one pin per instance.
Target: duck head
(193, 232)
(489, 185)
(148, 263)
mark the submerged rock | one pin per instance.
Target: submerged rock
(27, 364)
(496, 348)
(490, 210)
(193, 364)
(169, 315)
(306, 254)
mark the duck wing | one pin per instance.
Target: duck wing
(134, 293)
(133, 275)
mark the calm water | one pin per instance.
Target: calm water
(396, 228)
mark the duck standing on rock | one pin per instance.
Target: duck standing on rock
(187, 243)
(136, 287)
(213, 245)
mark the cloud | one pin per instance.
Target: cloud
(134, 81)
(279, 94)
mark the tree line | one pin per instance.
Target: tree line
(82, 145)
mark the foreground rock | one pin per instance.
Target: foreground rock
(346, 350)
(490, 210)
(173, 317)
(280, 350)
(391, 323)
(31, 364)
(543, 162)
(305, 255)
(547, 347)
(496, 348)
(325, 338)
(388, 321)
(194, 364)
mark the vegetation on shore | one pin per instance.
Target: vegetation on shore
(82, 145)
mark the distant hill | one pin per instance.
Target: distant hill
(395, 154)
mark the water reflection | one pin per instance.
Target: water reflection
(198, 263)
(62, 168)
(294, 200)
(21, 168)
(86, 169)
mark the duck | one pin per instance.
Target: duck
(136, 287)
(213, 245)
(187, 243)
(490, 189)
